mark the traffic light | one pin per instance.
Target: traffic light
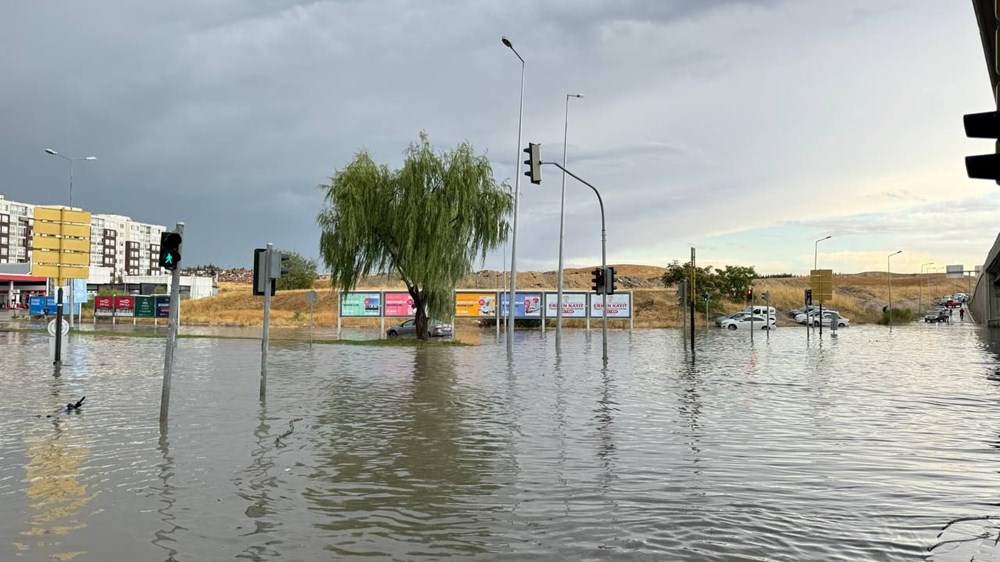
(534, 162)
(750, 294)
(279, 264)
(597, 277)
(259, 264)
(983, 126)
(809, 297)
(609, 288)
(285, 259)
(170, 250)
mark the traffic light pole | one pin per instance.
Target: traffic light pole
(168, 356)
(604, 255)
(265, 337)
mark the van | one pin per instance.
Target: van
(761, 310)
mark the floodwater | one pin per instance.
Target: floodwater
(871, 445)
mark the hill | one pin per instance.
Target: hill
(859, 296)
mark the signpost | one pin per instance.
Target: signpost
(61, 247)
(821, 283)
(311, 298)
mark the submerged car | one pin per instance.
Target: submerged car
(733, 316)
(830, 318)
(748, 322)
(936, 316)
(435, 328)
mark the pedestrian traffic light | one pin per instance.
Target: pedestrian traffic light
(809, 297)
(534, 162)
(170, 250)
(983, 126)
(609, 279)
(597, 278)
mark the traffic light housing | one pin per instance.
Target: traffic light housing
(260, 283)
(609, 279)
(750, 294)
(983, 126)
(170, 250)
(809, 297)
(597, 278)
(279, 264)
(534, 162)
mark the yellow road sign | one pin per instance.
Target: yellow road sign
(821, 283)
(60, 244)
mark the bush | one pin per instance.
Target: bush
(899, 316)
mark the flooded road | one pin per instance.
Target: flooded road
(867, 446)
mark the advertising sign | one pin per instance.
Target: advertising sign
(527, 305)
(954, 271)
(361, 304)
(162, 306)
(145, 307)
(103, 307)
(476, 305)
(619, 305)
(574, 305)
(124, 307)
(398, 304)
(36, 305)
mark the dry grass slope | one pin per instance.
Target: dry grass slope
(860, 297)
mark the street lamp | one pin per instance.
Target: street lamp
(517, 191)
(816, 249)
(920, 299)
(71, 160)
(562, 222)
(888, 270)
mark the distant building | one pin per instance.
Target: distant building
(123, 252)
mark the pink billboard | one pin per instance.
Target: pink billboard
(398, 304)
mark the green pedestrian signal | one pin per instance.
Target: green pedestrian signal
(170, 250)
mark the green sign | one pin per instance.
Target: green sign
(145, 307)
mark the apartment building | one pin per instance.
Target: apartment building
(119, 246)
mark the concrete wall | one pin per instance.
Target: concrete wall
(985, 302)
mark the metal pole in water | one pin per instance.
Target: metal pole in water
(267, 321)
(172, 321)
(59, 321)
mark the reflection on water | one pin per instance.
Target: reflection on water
(868, 446)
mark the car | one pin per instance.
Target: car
(745, 323)
(830, 318)
(940, 315)
(803, 318)
(733, 316)
(435, 328)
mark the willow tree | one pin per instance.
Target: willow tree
(428, 222)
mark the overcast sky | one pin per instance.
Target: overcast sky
(747, 129)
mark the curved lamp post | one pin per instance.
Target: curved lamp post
(562, 229)
(71, 160)
(920, 299)
(888, 270)
(517, 191)
(816, 249)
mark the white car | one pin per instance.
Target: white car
(745, 322)
(803, 318)
(829, 318)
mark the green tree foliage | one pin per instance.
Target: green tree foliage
(704, 278)
(734, 280)
(301, 273)
(427, 221)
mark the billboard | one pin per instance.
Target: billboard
(361, 304)
(527, 305)
(103, 307)
(476, 305)
(619, 305)
(398, 304)
(162, 306)
(574, 305)
(124, 307)
(954, 271)
(145, 307)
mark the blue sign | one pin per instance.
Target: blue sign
(39, 305)
(162, 306)
(527, 305)
(36, 305)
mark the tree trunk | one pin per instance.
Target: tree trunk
(421, 324)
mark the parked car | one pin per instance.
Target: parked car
(745, 323)
(435, 328)
(733, 316)
(802, 318)
(830, 318)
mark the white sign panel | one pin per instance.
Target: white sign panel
(574, 305)
(954, 271)
(619, 305)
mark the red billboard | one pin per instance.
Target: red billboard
(124, 306)
(398, 304)
(103, 306)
